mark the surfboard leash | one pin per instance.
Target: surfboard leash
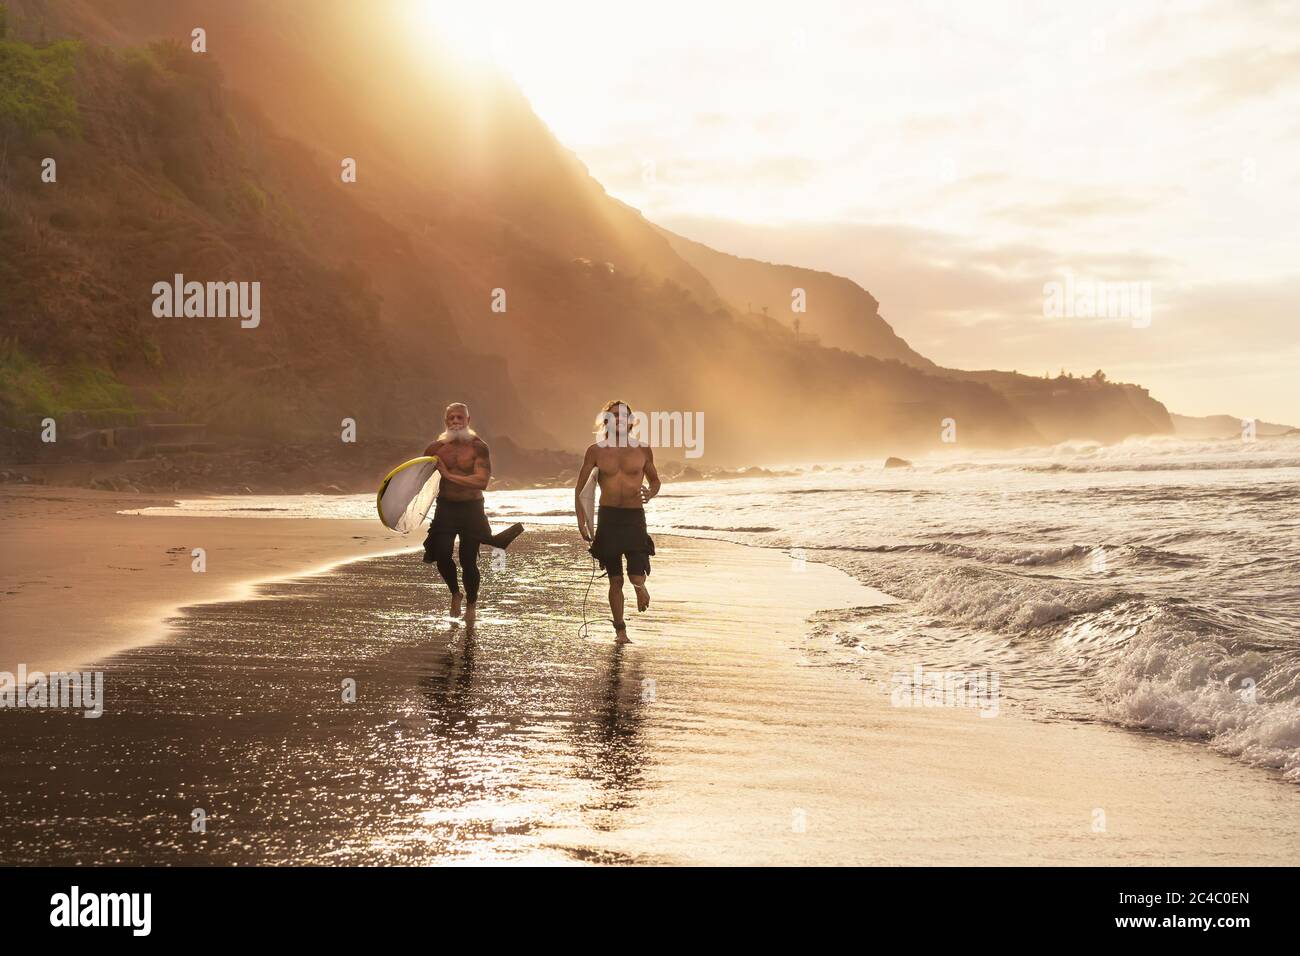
(582, 631)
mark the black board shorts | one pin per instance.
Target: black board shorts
(465, 518)
(621, 533)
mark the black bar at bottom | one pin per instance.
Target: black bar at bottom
(203, 905)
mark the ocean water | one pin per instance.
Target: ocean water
(1150, 584)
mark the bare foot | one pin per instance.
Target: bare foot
(470, 612)
(620, 634)
(642, 596)
(455, 606)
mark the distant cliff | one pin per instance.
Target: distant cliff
(1224, 426)
(837, 311)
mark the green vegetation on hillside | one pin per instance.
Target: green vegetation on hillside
(29, 388)
(35, 92)
(171, 175)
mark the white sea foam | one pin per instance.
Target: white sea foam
(1236, 701)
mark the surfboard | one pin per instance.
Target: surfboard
(407, 493)
(587, 505)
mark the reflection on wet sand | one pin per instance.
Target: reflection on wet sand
(477, 744)
(494, 743)
(607, 734)
(449, 685)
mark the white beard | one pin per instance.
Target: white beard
(458, 434)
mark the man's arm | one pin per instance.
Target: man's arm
(651, 474)
(433, 447)
(482, 470)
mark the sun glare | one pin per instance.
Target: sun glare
(553, 56)
(466, 30)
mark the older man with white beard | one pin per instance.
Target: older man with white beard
(466, 468)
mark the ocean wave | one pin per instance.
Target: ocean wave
(1243, 701)
(1145, 446)
(704, 527)
(1110, 556)
(984, 598)
(1151, 453)
(1090, 468)
(917, 492)
(1163, 664)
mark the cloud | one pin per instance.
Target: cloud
(1067, 212)
(1234, 77)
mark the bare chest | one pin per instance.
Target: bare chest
(459, 459)
(627, 462)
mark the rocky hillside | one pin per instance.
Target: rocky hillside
(839, 313)
(160, 171)
(377, 295)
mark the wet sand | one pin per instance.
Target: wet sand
(81, 581)
(720, 736)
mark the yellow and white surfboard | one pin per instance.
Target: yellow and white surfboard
(407, 493)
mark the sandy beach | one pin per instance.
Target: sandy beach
(722, 735)
(82, 581)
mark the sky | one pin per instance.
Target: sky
(955, 158)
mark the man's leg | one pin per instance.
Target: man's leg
(638, 567)
(503, 539)
(447, 568)
(616, 605)
(642, 595)
(469, 571)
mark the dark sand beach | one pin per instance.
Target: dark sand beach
(722, 735)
